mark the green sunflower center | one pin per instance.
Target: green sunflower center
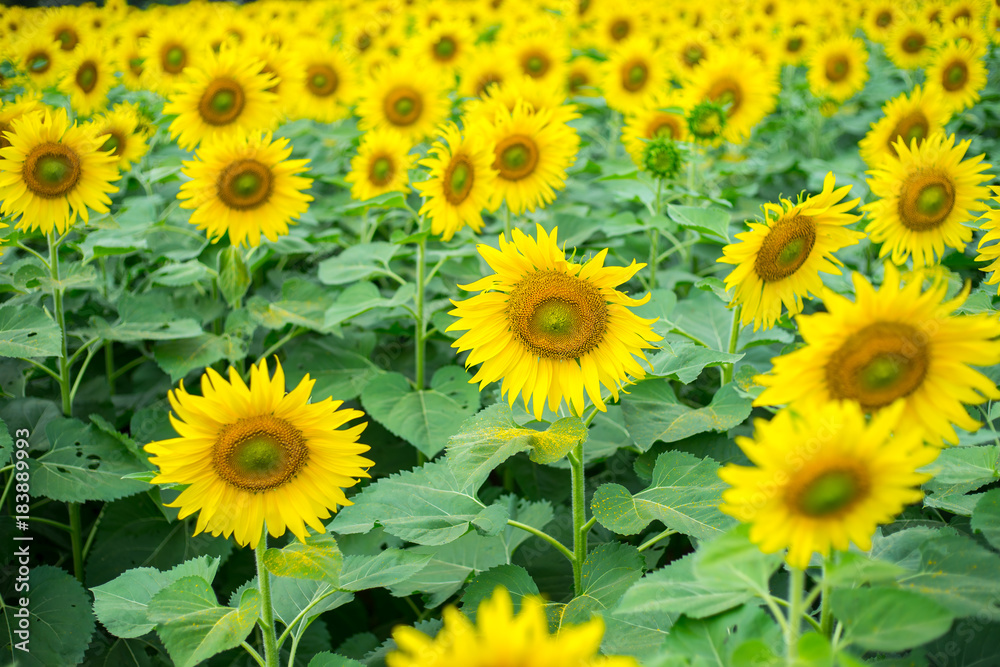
(794, 45)
(68, 39)
(878, 364)
(114, 143)
(620, 30)
(914, 43)
(693, 55)
(956, 75)
(259, 453)
(707, 120)
(925, 200)
(516, 157)
(174, 59)
(883, 19)
(403, 106)
(222, 102)
(837, 68)
(557, 316)
(830, 493)
(728, 93)
(51, 170)
(634, 76)
(535, 64)
(445, 48)
(458, 178)
(913, 126)
(321, 80)
(38, 62)
(381, 170)
(245, 185)
(785, 248)
(86, 76)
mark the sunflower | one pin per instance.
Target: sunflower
(971, 11)
(778, 262)
(541, 55)
(615, 24)
(550, 328)
(11, 111)
(633, 74)
(796, 45)
(443, 46)
(255, 456)
(65, 26)
(52, 172)
(738, 81)
(899, 342)
(690, 49)
(957, 73)
(403, 97)
(321, 85)
(128, 53)
(382, 165)
(87, 78)
(915, 116)
(824, 477)
(991, 253)
(226, 95)
(485, 67)
(532, 153)
(245, 184)
(461, 180)
(39, 58)
(964, 31)
(166, 53)
(663, 116)
(925, 199)
(880, 18)
(278, 63)
(501, 637)
(532, 94)
(837, 68)
(123, 133)
(582, 75)
(910, 43)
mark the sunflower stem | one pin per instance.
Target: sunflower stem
(734, 336)
(506, 222)
(109, 366)
(579, 516)
(796, 585)
(656, 538)
(266, 620)
(825, 617)
(545, 536)
(420, 332)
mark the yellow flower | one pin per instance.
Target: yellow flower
(322, 85)
(655, 120)
(227, 95)
(897, 343)
(87, 77)
(245, 185)
(39, 58)
(582, 75)
(778, 262)
(910, 43)
(541, 55)
(502, 637)
(837, 68)
(257, 455)
(796, 45)
(823, 478)
(915, 116)
(925, 198)
(460, 182)
(532, 153)
(165, 55)
(632, 74)
(65, 25)
(516, 90)
(279, 63)
(880, 18)
(11, 111)
(52, 171)
(444, 46)
(382, 165)
(957, 73)
(485, 67)
(549, 328)
(404, 97)
(123, 134)
(991, 253)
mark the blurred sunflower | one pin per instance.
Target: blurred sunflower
(11, 111)
(382, 165)
(541, 55)
(915, 116)
(582, 76)
(957, 73)
(444, 46)
(909, 44)
(165, 54)
(880, 18)
(52, 171)
(402, 96)
(255, 456)
(532, 153)
(39, 58)
(87, 77)
(484, 67)
(778, 262)
(245, 185)
(897, 343)
(796, 45)
(224, 96)
(987, 252)
(838, 68)
(689, 50)
(321, 85)
(66, 26)
(461, 181)
(925, 199)
(738, 81)
(632, 74)
(123, 134)
(654, 120)
(964, 31)
(614, 24)
(549, 328)
(530, 93)
(278, 63)
(501, 637)
(834, 491)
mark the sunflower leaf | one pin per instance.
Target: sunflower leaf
(986, 518)
(608, 571)
(359, 262)
(234, 275)
(888, 619)
(28, 331)
(514, 578)
(318, 559)
(712, 221)
(652, 412)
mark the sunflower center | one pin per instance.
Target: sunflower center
(115, 143)
(487, 80)
(925, 200)
(381, 170)
(577, 81)
(883, 19)
(693, 55)
(955, 76)
(914, 43)
(785, 248)
(516, 157)
(830, 493)
(727, 92)
(557, 316)
(403, 106)
(51, 170)
(535, 64)
(174, 57)
(458, 178)
(68, 39)
(259, 453)
(634, 76)
(914, 126)
(444, 49)
(666, 125)
(620, 30)
(837, 68)
(321, 80)
(878, 364)
(222, 102)
(794, 45)
(135, 66)
(269, 71)
(38, 62)
(245, 184)
(707, 120)
(86, 76)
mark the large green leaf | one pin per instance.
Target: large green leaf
(318, 559)
(383, 569)
(179, 357)
(290, 597)
(684, 361)
(360, 298)
(712, 221)
(608, 571)
(653, 412)
(194, 626)
(886, 619)
(986, 518)
(958, 574)
(145, 317)
(359, 262)
(514, 578)
(450, 566)
(339, 371)
(684, 495)
(959, 470)
(28, 331)
(733, 560)
(234, 274)
(303, 303)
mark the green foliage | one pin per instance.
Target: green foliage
(318, 559)
(28, 331)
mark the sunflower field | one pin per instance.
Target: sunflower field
(500, 333)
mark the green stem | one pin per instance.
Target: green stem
(656, 538)
(506, 223)
(654, 252)
(28, 250)
(734, 336)
(296, 331)
(93, 531)
(50, 522)
(579, 516)
(129, 366)
(253, 653)
(266, 620)
(825, 617)
(796, 584)
(83, 370)
(76, 539)
(43, 367)
(545, 536)
(420, 332)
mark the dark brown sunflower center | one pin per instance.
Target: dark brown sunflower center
(837, 68)
(458, 179)
(667, 125)
(535, 64)
(728, 93)
(68, 39)
(785, 248)
(445, 49)
(135, 66)
(883, 19)
(634, 75)
(829, 493)
(222, 102)
(914, 42)
(259, 453)
(86, 76)
(557, 316)
(955, 76)
(619, 30)
(115, 142)
(516, 157)
(486, 80)
(38, 62)
(794, 45)
(913, 126)
(403, 106)
(245, 184)
(322, 80)
(878, 364)
(925, 200)
(173, 58)
(693, 54)
(578, 81)
(381, 170)
(51, 170)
